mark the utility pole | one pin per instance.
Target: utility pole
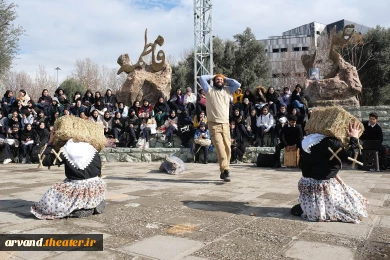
(203, 40)
(57, 69)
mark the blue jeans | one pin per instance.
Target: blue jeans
(297, 104)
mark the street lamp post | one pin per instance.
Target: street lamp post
(57, 69)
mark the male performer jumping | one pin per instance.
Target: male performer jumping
(217, 108)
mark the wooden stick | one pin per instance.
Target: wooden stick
(354, 160)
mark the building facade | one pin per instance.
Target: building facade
(285, 51)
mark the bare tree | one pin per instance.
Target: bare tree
(42, 81)
(288, 70)
(87, 73)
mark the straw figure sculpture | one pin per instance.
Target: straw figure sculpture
(333, 122)
(79, 130)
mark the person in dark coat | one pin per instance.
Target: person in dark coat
(110, 101)
(272, 100)
(7, 102)
(185, 125)
(291, 135)
(237, 145)
(161, 111)
(27, 143)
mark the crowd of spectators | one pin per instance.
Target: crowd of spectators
(25, 124)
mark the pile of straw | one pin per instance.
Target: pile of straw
(80, 130)
(333, 122)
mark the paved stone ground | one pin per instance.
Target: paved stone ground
(195, 216)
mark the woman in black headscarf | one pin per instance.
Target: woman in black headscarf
(185, 125)
(171, 127)
(161, 110)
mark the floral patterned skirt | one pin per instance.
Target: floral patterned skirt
(69, 195)
(328, 200)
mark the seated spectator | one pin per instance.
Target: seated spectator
(124, 110)
(171, 127)
(76, 96)
(202, 134)
(185, 126)
(239, 122)
(189, 100)
(97, 96)
(99, 107)
(51, 120)
(299, 100)
(3, 126)
(118, 126)
(61, 97)
(249, 95)
(282, 112)
(251, 123)
(161, 111)
(372, 131)
(78, 108)
(238, 98)
(300, 117)
(42, 135)
(146, 107)
(272, 100)
(280, 120)
(107, 124)
(54, 107)
(110, 101)
(259, 94)
(201, 101)
(148, 127)
(83, 116)
(96, 117)
(237, 144)
(265, 124)
(32, 108)
(136, 107)
(18, 107)
(11, 144)
(247, 107)
(201, 117)
(66, 111)
(284, 98)
(7, 102)
(15, 120)
(23, 97)
(290, 136)
(44, 101)
(176, 102)
(27, 143)
(132, 127)
(88, 100)
(27, 118)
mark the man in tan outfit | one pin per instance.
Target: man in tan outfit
(217, 108)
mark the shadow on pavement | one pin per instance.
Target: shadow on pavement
(242, 208)
(216, 182)
(21, 208)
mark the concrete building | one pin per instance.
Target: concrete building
(285, 51)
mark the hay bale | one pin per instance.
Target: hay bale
(80, 130)
(333, 122)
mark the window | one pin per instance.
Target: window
(305, 48)
(318, 32)
(266, 50)
(297, 48)
(283, 50)
(275, 50)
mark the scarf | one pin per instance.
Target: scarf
(80, 154)
(311, 140)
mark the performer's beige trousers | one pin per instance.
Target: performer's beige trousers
(220, 137)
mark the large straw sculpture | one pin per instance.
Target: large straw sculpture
(80, 130)
(333, 122)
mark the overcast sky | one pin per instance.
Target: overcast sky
(58, 32)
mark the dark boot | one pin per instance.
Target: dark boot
(81, 213)
(100, 208)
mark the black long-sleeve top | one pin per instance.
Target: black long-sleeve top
(372, 133)
(92, 170)
(41, 136)
(291, 135)
(316, 164)
(27, 134)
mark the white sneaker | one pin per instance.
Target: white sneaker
(170, 145)
(162, 138)
(116, 141)
(146, 146)
(7, 161)
(24, 160)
